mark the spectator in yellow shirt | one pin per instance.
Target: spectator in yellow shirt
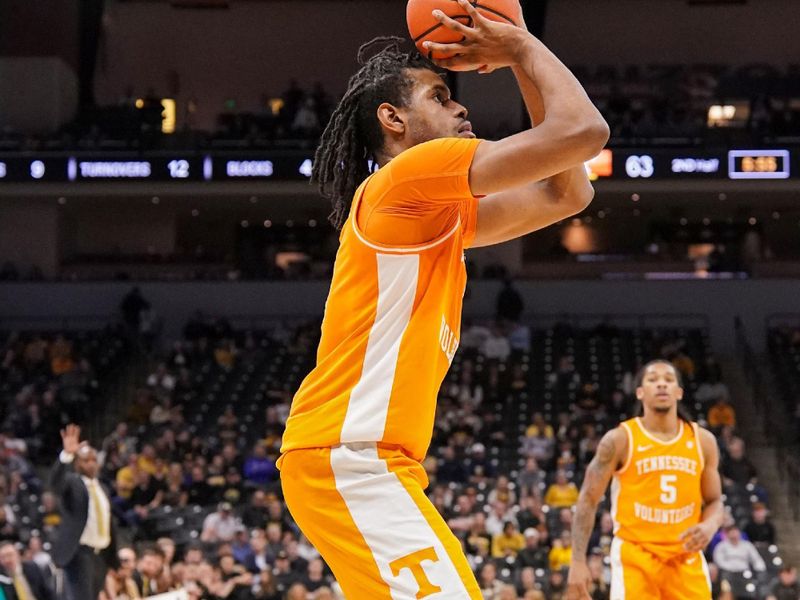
(61, 356)
(507, 543)
(225, 355)
(126, 477)
(721, 414)
(150, 461)
(539, 427)
(561, 553)
(562, 493)
(61, 365)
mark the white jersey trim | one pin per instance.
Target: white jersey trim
(407, 249)
(699, 443)
(368, 405)
(629, 457)
(650, 436)
(615, 489)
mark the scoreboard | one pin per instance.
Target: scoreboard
(188, 167)
(698, 164)
(614, 164)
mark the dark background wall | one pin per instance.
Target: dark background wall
(674, 31)
(40, 28)
(754, 301)
(254, 48)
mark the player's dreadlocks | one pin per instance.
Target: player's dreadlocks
(354, 136)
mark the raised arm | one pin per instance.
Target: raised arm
(543, 198)
(570, 186)
(696, 538)
(573, 130)
(609, 457)
(71, 438)
(518, 211)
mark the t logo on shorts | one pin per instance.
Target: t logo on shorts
(413, 562)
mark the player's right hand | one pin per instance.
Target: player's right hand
(578, 582)
(71, 437)
(487, 45)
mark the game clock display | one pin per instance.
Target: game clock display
(660, 163)
(759, 164)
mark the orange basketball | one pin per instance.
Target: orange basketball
(424, 27)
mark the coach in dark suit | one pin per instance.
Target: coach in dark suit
(84, 544)
(23, 580)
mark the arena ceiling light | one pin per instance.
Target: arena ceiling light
(728, 115)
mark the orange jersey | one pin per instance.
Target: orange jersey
(656, 495)
(393, 315)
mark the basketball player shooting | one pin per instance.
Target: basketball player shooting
(665, 499)
(362, 420)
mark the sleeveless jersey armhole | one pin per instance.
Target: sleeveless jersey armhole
(699, 443)
(629, 455)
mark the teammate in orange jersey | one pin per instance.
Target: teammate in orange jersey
(362, 420)
(665, 499)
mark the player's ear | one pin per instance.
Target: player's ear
(390, 119)
(639, 393)
(680, 394)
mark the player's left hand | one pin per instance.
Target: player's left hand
(520, 20)
(697, 538)
(486, 45)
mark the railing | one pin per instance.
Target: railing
(55, 322)
(775, 427)
(776, 320)
(268, 322)
(637, 321)
(747, 359)
(771, 421)
(793, 477)
(537, 320)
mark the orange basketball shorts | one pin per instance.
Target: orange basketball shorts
(637, 574)
(364, 509)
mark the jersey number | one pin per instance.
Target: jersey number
(669, 493)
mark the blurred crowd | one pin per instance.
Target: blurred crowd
(49, 379)
(298, 115)
(643, 104)
(196, 489)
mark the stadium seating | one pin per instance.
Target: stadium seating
(50, 378)
(784, 350)
(47, 379)
(218, 393)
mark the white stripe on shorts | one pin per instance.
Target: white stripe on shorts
(391, 522)
(705, 567)
(617, 591)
